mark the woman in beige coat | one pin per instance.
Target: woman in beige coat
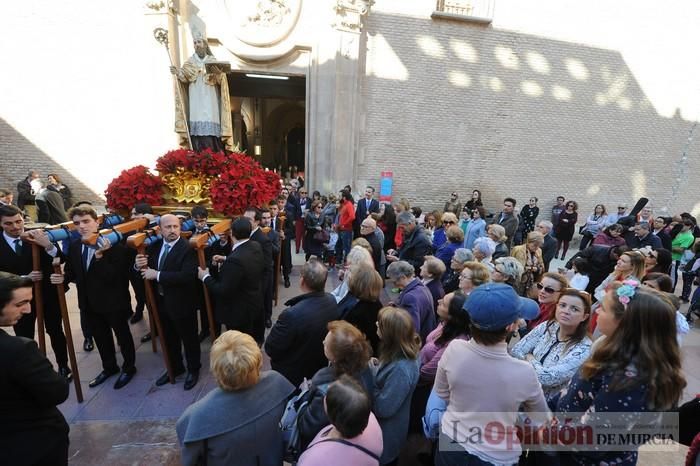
(530, 256)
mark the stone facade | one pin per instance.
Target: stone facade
(540, 102)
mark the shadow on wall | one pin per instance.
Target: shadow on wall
(514, 115)
(19, 155)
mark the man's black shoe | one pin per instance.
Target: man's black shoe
(88, 345)
(191, 380)
(146, 338)
(124, 378)
(137, 317)
(286, 282)
(65, 373)
(163, 379)
(268, 323)
(101, 378)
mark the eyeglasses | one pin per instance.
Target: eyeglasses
(546, 289)
(448, 222)
(465, 277)
(302, 192)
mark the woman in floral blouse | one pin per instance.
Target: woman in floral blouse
(557, 348)
(635, 369)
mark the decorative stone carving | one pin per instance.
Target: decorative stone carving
(349, 14)
(263, 23)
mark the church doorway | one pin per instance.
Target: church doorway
(269, 118)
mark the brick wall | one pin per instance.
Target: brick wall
(458, 106)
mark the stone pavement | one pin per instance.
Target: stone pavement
(135, 425)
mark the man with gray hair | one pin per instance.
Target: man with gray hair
(414, 297)
(549, 247)
(368, 230)
(416, 243)
(644, 238)
(295, 343)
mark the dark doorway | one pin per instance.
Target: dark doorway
(269, 118)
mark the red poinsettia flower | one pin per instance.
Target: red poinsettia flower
(132, 186)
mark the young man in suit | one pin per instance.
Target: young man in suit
(33, 430)
(364, 208)
(254, 215)
(172, 265)
(274, 237)
(102, 278)
(16, 258)
(286, 203)
(239, 287)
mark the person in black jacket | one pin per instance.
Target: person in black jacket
(16, 258)
(365, 207)
(238, 288)
(32, 430)
(274, 235)
(286, 203)
(25, 192)
(295, 343)
(172, 265)
(416, 244)
(102, 278)
(601, 259)
(368, 228)
(361, 305)
(254, 216)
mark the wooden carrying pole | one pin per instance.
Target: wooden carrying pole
(61, 291)
(199, 242)
(38, 297)
(137, 242)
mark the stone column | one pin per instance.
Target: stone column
(334, 88)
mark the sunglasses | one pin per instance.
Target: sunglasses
(448, 222)
(547, 289)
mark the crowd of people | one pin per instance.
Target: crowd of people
(477, 328)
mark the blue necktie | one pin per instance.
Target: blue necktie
(166, 250)
(18, 246)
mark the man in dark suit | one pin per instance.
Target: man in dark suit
(254, 215)
(32, 431)
(16, 258)
(659, 231)
(172, 265)
(286, 203)
(274, 236)
(364, 208)
(102, 278)
(295, 343)
(508, 220)
(238, 289)
(645, 238)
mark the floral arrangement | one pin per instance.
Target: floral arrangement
(242, 182)
(205, 162)
(235, 181)
(132, 186)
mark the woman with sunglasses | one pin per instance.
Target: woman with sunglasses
(658, 260)
(557, 348)
(474, 227)
(635, 369)
(447, 220)
(565, 227)
(315, 235)
(549, 289)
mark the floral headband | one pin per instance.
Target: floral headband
(626, 292)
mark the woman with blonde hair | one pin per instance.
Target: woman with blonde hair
(348, 353)
(498, 234)
(396, 375)
(455, 238)
(474, 274)
(357, 255)
(431, 272)
(631, 264)
(635, 369)
(238, 422)
(447, 220)
(530, 256)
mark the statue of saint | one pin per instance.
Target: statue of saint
(208, 105)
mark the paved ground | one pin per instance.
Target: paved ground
(135, 425)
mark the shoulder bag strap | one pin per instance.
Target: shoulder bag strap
(350, 444)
